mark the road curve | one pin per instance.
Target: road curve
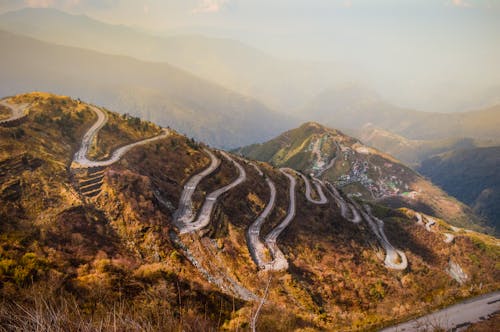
(394, 259)
(331, 163)
(184, 213)
(344, 206)
(279, 261)
(206, 210)
(454, 318)
(255, 245)
(80, 159)
(18, 111)
(430, 222)
(322, 198)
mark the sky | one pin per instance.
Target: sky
(425, 48)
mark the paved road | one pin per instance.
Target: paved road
(279, 261)
(344, 206)
(394, 259)
(448, 238)
(184, 214)
(255, 245)
(206, 210)
(18, 111)
(257, 169)
(431, 222)
(454, 318)
(322, 198)
(80, 158)
(331, 163)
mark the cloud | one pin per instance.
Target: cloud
(347, 4)
(71, 4)
(460, 3)
(40, 3)
(210, 6)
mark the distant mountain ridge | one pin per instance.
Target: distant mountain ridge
(352, 107)
(472, 176)
(282, 84)
(412, 151)
(155, 91)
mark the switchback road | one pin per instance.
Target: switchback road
(184, 214)
(206, 210)
(322, 198)
(80, 159)
(279, 261)
(255, 245)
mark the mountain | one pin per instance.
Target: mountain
(95, 236)
(283, 84)
(155, 91)
(412, 151)
(353, 106)
(472, 176)
(358, 170)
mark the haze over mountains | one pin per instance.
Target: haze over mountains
(282, 84)
(156, 91)
(329, 93)
(221, 91)
(472, 175)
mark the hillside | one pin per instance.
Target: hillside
(283, 84)
(117, 243)
(154, 91)
(359, 170)
(472, 176)
(352, 107)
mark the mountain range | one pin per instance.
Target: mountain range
(279, 83)
(109, 221)
(155, 91)
(471, 175)
(352, 107)
(359, 170)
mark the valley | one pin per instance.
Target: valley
(206, 226)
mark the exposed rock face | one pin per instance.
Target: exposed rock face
(455, 271)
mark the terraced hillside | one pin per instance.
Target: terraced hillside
(360, 171)
(179, 236)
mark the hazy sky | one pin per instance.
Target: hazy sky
(425, 48)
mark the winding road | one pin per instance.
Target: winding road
(394, 259)
(322, 198)
(331, 163)
(206, 210)
(80, 159)
(255, 245)
(344, 206)
(279, 261)
(454, 318)
(430, 222)
(184, 214)
(18, 111)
